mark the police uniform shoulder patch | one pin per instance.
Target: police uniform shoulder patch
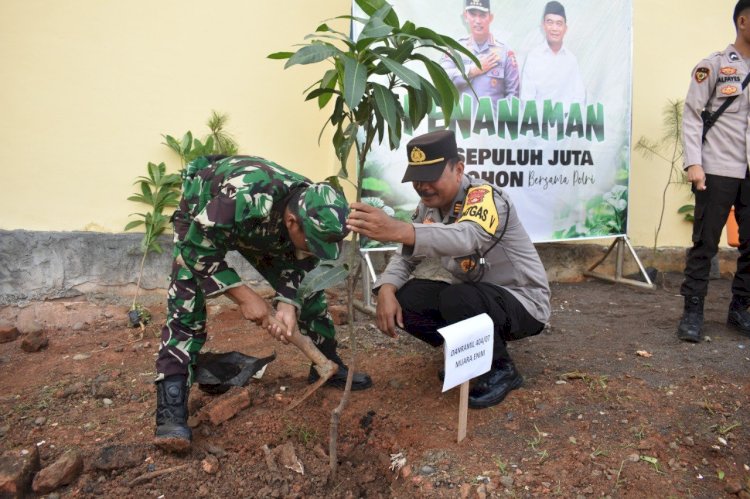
(701, 74)
(479, 207)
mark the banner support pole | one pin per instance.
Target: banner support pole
(620, 243)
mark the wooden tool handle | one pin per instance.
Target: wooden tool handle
(306, 345)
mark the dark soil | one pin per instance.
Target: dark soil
(612, 405)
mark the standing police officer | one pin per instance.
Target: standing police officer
(718, 170)
(476, 232)
(498, 75)
(282, 224)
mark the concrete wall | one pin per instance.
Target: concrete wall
(36, 266)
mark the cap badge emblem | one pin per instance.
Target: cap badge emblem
(417, 155)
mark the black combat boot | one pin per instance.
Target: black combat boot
(491, 387)
(691, 324)
(172, 431)
(738, 317)
(360, 381)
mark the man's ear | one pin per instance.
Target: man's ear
(290, 219)
(459, 168)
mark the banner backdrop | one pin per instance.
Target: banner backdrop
(552, 128)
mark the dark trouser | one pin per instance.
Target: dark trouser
(429, 305)
(711, 211)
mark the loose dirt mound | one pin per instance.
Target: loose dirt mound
(613, 405)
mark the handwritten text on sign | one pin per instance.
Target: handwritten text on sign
(468, 349)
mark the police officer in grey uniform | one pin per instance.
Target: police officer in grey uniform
(718, 170)
(498, 76)
(475, 231)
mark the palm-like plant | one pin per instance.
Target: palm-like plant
(160, 191)
(366, 81)
(669, 149)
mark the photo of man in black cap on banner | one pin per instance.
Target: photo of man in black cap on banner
(551, 70)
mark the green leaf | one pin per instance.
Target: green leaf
(146, 191)
(320, 91)
(402, 51)
(312, 53)
(334, 181)
(373, 30)
(355, 80)
(686, 208)
(280, 55)
(406, 75)
(326, 275)
(137, 198)
(187, 143)
(172, 143)
(133, 224)
(328, 81)
(386, 104)
(443, 84)
(370, 7)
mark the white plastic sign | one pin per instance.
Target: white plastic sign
(468, 349)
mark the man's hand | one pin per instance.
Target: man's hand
(252, 306)
(697, 176)
(374, 223)
(488, 62)
(286, 320)
(389, 314)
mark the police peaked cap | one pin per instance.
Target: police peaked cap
(428, 154)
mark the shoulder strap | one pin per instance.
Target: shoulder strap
(710, 118)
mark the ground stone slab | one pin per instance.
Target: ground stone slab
(33, 342)
(8, 333)
(115, 457)
(16, 472)
(226, 406)
(62, 472)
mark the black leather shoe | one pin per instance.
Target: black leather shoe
(738, 317)
(492, 387)
(360, 381)
(172, 432)
(691, 323)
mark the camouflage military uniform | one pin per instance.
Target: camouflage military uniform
(235, 203)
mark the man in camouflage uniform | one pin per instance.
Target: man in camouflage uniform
(498, 75)
(717, 166)
(282, 224)
(475, 231)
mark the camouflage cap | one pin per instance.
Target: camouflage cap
(323, 211)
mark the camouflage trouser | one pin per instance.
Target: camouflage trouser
(184, 333)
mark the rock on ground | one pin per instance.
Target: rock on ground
(62, 472)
